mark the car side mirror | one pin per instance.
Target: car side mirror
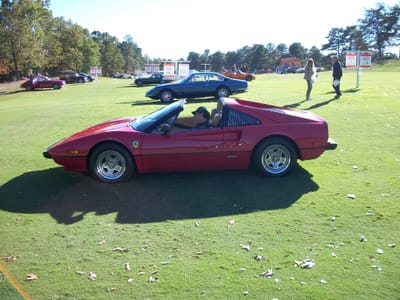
(165, 129)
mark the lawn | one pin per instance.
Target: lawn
(206, 235)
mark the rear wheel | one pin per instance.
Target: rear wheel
(275, 157)
(166, 96)
(56, 86)
(29, 88)
(249, 78)
(222, 92)
(111, 163)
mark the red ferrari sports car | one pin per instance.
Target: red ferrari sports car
(239, 75)
(41, 82)
(241, 134)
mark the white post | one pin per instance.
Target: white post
(358, 69)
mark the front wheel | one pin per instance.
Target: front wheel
(166, 96)
(111, 163)
(275, 157)
(222, 92)
(56, 86)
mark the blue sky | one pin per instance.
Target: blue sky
(171, 29)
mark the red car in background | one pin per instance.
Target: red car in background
(42, 82)
(239, 75)
(241, 134)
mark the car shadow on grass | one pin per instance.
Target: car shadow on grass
(67, 197)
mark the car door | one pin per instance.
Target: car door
(185, 150)
(238, 134)
(196, 86)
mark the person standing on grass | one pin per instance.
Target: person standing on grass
(337, 75)
(310, 74)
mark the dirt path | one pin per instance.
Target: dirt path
(10, 87)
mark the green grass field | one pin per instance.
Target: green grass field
(183, 234)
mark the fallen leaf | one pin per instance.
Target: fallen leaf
(153, 279)
(11, 258)
(31, 277)
(121, 249)
(245, 247)
(92, 276)
(351, 196)
(379, 251)
(267, 273)
(127, 267)
(259, 257)
(130, 280)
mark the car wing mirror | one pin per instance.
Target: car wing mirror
(165, 129)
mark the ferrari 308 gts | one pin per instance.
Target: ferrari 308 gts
(241, 134)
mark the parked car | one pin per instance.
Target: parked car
(121, 75)
(242, 133)
(42, 82)
(72, 77)
(201, 84)
(239, 75)
(89, 77)
(151, 79)
(292, 69)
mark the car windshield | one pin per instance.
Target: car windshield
(144, 123)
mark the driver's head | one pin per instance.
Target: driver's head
(203, 111)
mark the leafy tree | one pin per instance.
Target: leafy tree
(22, 35)
(283, 50)
(297, 50)
(257, 57)
(336, 40)
(217, 61)
(90, 52)
(111, 58)
(231, 58)
(272, 57)
(381, 26)
(194, 59)
(131, 55)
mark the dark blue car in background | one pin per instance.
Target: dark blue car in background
(202, 84)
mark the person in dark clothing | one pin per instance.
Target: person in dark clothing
(337, 75)
(201, 117)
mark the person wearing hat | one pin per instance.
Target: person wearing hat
(201, 117)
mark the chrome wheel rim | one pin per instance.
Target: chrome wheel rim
(110, 165)
(275, 159)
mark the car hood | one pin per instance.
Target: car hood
(117, 125)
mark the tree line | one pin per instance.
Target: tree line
(32, 40)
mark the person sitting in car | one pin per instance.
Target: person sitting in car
(201, 117)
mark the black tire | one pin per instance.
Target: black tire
(249, 78)
(111, 163)
(29, 88)
(275, 157)
(56, 86)
(139, 83)
(166, 96)
(223, 92)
